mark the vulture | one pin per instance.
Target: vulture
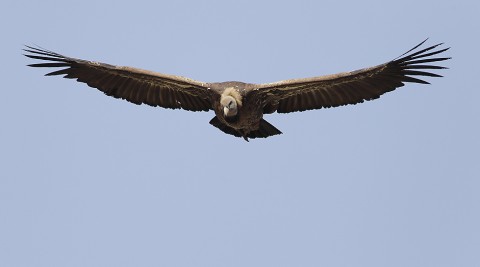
(239, 107)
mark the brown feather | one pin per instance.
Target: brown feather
(134, 85)
(352, 87)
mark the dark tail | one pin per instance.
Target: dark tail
(265, 130)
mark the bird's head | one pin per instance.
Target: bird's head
(229, 104)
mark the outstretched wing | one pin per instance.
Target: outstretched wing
(132, 84)
(351, 87)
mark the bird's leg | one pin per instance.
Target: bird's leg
(244, 135)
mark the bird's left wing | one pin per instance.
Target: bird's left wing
(134, 85)
(350, 87)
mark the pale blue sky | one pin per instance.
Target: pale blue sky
(88, 180)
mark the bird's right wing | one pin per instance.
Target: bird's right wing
(351, 87)
(134, 85)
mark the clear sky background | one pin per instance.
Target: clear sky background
(89, 180)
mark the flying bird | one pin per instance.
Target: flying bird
(239, 107)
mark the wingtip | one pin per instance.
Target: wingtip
(35, 47)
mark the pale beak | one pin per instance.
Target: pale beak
(225, 110)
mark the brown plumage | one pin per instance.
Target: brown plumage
(239, 107)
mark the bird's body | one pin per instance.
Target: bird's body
(247, 121)
(239, 107)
